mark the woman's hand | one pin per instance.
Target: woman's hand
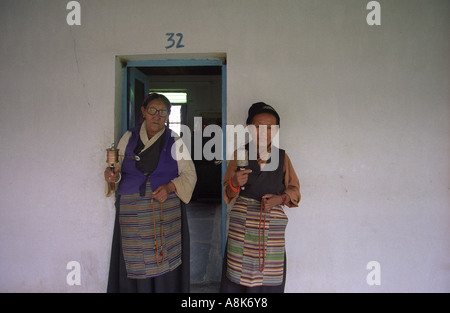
(271, 200)
(240, 178)
(162, 192)
(110, 176)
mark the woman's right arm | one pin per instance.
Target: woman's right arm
(236, 179)
(111, 176)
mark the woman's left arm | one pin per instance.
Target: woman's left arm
(292, 184)
(187, 176)
(291, 195)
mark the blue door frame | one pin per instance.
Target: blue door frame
(183, 62)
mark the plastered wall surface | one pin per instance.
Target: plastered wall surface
(365, 119)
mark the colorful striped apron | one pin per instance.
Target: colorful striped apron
(150, 251)
(255, 250)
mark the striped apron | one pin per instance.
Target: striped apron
(151, 243)
(255, 250)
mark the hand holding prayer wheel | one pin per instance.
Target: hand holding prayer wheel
(112, 158)
(112, 176)
(240, 178)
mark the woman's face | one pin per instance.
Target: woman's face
(262, 131)
(154, 123)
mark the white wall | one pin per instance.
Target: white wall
(365, 118)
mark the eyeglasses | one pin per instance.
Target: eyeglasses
(161, 113)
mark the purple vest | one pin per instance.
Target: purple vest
(132, 178)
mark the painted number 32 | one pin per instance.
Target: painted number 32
(174, 42)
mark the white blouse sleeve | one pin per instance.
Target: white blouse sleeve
(185, 182)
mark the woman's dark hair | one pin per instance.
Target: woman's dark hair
(261, 107)
(153, 96)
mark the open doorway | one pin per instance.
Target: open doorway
(196, 88)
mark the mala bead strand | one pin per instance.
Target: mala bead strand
(161, 235)
(261, 269)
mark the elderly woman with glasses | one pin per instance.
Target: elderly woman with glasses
(150, 248)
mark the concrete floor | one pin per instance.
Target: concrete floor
(204, 218)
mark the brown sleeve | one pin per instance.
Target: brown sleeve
(231, 169)
(291, 182)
